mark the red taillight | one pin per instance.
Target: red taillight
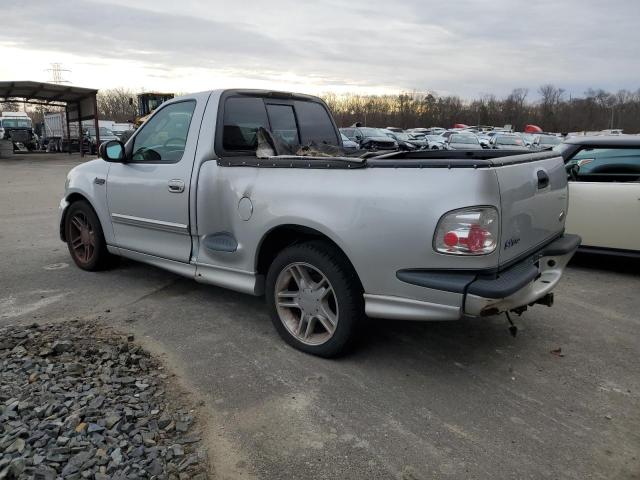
(475, 240)
(468, 231)
(450, 239)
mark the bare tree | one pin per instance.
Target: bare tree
(117, 104)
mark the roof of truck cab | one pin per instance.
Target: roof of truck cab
(260, 92)
(605, 140)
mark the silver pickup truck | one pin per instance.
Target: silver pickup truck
(329, 240)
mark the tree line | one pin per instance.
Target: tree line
(554, 110)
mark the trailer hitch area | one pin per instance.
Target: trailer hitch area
(546, 300)
(513, 329)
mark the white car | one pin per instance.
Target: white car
(604, 192)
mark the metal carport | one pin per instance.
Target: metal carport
(79, 103)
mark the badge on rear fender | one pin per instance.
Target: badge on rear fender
(511, 242)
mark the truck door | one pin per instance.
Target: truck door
(148, 196)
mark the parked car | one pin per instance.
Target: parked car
(528, 138)
(463, 141)
(604, 192)
(404, 140)
(105, 136)
(325, 239)
(542, 142)
(484, 139)
(347, 144)
(436, 142)
(370, 138)
(417, 139)
(508, 141)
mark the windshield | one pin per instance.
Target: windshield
(372, 132)
(406, 137)
(550, 141)
(505, 140)
(16, 122)
(464, 139)
(344, 138)
(435, 138)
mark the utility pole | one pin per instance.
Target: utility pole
(611, 124)
(56, 73)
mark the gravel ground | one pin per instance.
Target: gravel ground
(78, 401)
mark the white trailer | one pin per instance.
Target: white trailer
(55, 130)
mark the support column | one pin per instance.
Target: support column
(66, 118)
(80, 138)
(96, 123)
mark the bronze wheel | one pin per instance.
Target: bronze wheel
(82, 238)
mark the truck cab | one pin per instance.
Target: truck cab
(17, 127)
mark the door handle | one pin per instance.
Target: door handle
(176, 186)
(543, 179)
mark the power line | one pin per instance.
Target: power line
(56, 73)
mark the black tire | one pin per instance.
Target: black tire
(90, 251)
(346, 287)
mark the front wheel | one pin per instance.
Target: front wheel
(315, 298)
(85, 239)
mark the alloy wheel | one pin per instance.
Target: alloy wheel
(306, 303)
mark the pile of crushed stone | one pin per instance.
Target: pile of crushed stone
(80, 402)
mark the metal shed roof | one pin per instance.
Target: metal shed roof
(46, 92)
(76, 99)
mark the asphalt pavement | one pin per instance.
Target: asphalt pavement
(451, 400)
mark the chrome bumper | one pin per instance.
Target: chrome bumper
(550, 265)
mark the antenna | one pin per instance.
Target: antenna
(56, 73)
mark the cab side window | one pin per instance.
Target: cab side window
(607, 165)
(243, 116)
(163, 137)
(291, 122)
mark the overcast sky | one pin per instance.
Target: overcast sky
(464, 47)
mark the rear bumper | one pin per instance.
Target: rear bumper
(479, 294)
(524, 283)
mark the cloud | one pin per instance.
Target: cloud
(465, 47)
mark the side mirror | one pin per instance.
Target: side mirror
(112, 151)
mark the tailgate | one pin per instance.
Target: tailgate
(533, 198)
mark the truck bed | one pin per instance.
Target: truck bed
(420, 159)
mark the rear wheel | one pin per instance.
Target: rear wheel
(315, 298)
(85, 238)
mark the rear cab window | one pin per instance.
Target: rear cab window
(283, 123)
(293, 121)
